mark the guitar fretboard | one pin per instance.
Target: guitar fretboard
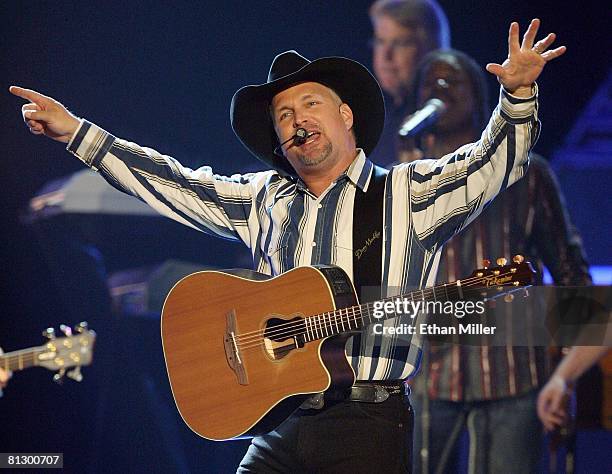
(19, 360)
(356, 317)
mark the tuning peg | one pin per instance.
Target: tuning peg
(518, 259)
(75, 374)
(49, 333)
(501, 261)
(486, 263)
(67, 330)
(81, 327)
(509, 298)
(59, 376)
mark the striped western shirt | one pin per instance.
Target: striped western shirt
(284, 225)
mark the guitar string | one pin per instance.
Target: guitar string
(15, 358)
(317, 326)
(470, 283)
(27, 353)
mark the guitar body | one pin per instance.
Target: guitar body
(243, 353)
(232, 373)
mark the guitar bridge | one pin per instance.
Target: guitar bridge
(232, 351)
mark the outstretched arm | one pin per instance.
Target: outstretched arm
(199, 199)
(448, 193)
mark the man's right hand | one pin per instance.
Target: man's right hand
(46, 116)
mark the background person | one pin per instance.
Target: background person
(489, 391)
(403, 32)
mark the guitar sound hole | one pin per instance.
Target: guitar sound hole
(281, 337)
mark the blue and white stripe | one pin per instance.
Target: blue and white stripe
(285, 225)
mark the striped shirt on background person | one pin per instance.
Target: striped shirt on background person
(284, 225)
(522, 220)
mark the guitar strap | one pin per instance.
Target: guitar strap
(368, 235)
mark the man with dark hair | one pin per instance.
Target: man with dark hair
(301, 123)
(404, 32)
(490, 390)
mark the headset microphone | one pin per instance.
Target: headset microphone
(300, 137)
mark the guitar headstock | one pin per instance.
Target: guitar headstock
(74, 349)
(504, 279)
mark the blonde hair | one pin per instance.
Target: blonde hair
(425, 17)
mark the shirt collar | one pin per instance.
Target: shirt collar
(359, 173)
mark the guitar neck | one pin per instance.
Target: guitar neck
(19, 360)
(354, 318)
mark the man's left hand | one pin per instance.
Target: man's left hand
(525, 61)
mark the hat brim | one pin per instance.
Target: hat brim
(250, 116)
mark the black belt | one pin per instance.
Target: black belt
(371, 391)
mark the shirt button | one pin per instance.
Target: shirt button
(314, 244)
(320, 206)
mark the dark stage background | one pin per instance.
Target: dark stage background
(162, 74)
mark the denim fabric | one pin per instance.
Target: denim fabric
(505, 435)
(343, 437)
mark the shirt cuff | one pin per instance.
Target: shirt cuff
(90, 144)
(519, 109)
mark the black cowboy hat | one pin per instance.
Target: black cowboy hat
(250, 113)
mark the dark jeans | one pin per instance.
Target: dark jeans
(505, 435)
(343, 437)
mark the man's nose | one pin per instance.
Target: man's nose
(299, 118)
(387, 51)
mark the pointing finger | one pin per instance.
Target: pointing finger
(30, 95)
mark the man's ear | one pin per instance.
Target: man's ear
(347, 115)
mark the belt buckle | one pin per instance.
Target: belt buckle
(380, 394)
(375, 393)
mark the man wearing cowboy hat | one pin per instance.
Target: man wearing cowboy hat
(315, 123)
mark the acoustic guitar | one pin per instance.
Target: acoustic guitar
(243, 353)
